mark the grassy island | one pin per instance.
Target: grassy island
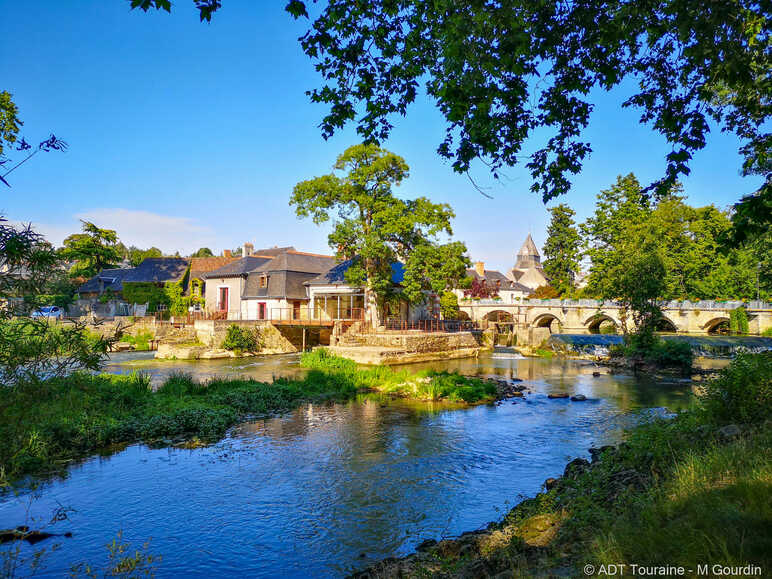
(45, 425)
(687, 491)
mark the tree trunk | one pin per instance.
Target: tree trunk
(372, 313)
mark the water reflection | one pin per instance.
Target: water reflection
(326, 489)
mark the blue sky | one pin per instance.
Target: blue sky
(185, 134)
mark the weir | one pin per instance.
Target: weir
(702, 346)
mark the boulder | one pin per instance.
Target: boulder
(557, 395)
(596, 373)
(578, 398)
(550, 483)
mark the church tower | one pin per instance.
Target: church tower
(528, 271)
(528, 256)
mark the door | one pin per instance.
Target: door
(296, 310)
(261, 311)
(223, 301)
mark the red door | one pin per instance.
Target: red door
(223, 302)
(261, 311)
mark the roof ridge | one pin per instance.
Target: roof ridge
(295, 252)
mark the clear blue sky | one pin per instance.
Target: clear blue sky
(185, 134)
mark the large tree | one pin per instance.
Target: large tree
(562, 249)
(375, 228)
(93, 250)
(696, 265)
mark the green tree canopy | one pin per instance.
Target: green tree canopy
(696, 263)
(376, 228)
(203, 252)
(562, 249)
(93, 250)
(137, 255)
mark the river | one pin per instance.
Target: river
(327, 489)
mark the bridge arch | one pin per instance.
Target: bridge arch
(595, 322)
(499, 316)
(717, 325)
(665, 324)
(547, 320)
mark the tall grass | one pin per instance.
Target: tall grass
(427, 385)
(44, 425)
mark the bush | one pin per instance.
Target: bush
(672, 353)
(240, 339)
(743, 390)
(738, 321)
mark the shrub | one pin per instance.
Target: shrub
(240, 339)
(738, 321)
(743, 390)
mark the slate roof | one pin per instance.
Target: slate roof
(107, 278)
(336, 274)
(528, 247)
(273, 251)
(158, 270)
(299, 261)
(203, 265)
(287, 274)
(494, 277)
(239, 267)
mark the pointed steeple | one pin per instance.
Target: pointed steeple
(529, 247)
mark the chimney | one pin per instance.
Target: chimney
(227, 253)
(479, 267)
(247, 249)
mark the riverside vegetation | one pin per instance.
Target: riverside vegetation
(688, 491)
(83, 413)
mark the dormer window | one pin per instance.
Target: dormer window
(263, 281)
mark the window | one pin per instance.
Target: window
(263, 280)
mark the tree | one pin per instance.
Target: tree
(502, 71)
(137, 255)
(561, 250)
(544, 292)
(93, 250)
(203, 252)
(33, 349)
(449, 305)
(375, 228)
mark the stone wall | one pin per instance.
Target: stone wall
(417, 342)
(276, 340)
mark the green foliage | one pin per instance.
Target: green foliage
(438, 386)
(742, 392)
(738, 321)
(449, 305)
(241, 339)
(79, 415)
(145, 293)
(140, 341)
(93, 250)
(377, 228)
(137, 255)
(33, 348)
(690, 240)
(10, 124)
(203, 252)
(61, 300)
(654, 350)
(562, 250)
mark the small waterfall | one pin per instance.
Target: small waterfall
(702, 346)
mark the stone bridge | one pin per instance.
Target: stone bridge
(587, 316)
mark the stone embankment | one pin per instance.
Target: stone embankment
(407, 347)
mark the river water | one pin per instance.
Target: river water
(327, 489)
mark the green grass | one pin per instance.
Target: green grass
(140, 341)
(45, 425)
(434, 386)
(767, 333)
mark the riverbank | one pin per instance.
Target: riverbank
(693, 490)
(47, 425)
